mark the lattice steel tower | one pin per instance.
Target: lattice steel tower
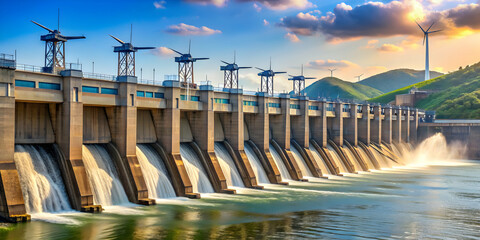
(267, 77)
(230, 73)
(185, 65)
(126, 56)
(299, 83)
(55, 48)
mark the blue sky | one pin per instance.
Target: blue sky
(354, 36)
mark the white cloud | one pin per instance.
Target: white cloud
(159, 4)
(265, 22)
(329, 63)
(185, 29)
(162, 51)
(292, 37)
(388, 47)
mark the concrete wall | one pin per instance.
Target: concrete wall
(33, 123)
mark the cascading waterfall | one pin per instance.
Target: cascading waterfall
(280, 165)
(196, 172)
(320, 162)
(300, 162)
(256, 165)
(365, 157)
(106, 186)
(154, 172)
(40, 180)
(352, 158)
(380, 158)
(228, 166)
(337, 159)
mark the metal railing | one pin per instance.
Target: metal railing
(100, 76)
(73, 66)
(29, 68)
(150, 82)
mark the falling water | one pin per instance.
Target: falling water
(434, 150)
(40, 180)
(256, 165)
(365, 157)
(337, 159)
(300, 162)
(106, 186)
(196, 172)
(280, 165)
(352, 158)
(380, 158)
(320, 162)
(228, 166)
(154, 172)
(389, 160)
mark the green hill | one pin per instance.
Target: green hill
(332, 87)
(395, 79)
(457, 95)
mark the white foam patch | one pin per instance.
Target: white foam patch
(126, 209)
(58, 218)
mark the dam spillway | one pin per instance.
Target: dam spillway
(104, 131)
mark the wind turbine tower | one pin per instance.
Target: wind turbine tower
(126, 56)
(425, 42)
(299, 83)
(230, 73)
(185, 65)
(55, 48)
(331, 71)
(359, 77)
(267, 79)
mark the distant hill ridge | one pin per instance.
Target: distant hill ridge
(398, 78)
(332, 87)
(457, 95)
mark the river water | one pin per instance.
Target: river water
(436, 201)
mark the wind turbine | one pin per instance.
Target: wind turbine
(331, 71)
(267, 79)
(359, 76)
(299, 83)
(230, 76)
(126, 55)
(185, 65)
(425, 40)
(55, 47)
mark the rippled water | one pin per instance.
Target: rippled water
(440, 201)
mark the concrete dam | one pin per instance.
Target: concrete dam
(72, 141)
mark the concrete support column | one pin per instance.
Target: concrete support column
(123, 126)
(406, 125)
(167, 126)
(376, 125)
(397, 125)
(318, 126)
(387, 125)
(300, 131)
(258, 125)
(336, 128)
(69, 136)
(414, 126)
(203, 132)
(351, 126)
(12, 206)
(364, 125)
(281, 134)
(234, 134)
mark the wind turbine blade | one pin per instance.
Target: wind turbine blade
(143, 48)
(234, 57)
(40, 25)
(244, 67)
(435, 31)
(419, 26)
(310, 78)
(176, 51)
(74, 37)
(263, 70)
(291, 75)
(120, 41)
(131, 30)
(195, 59)
(224, 62)
(279, 72)
(424, 36)
(302, 69)
(430, 27)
